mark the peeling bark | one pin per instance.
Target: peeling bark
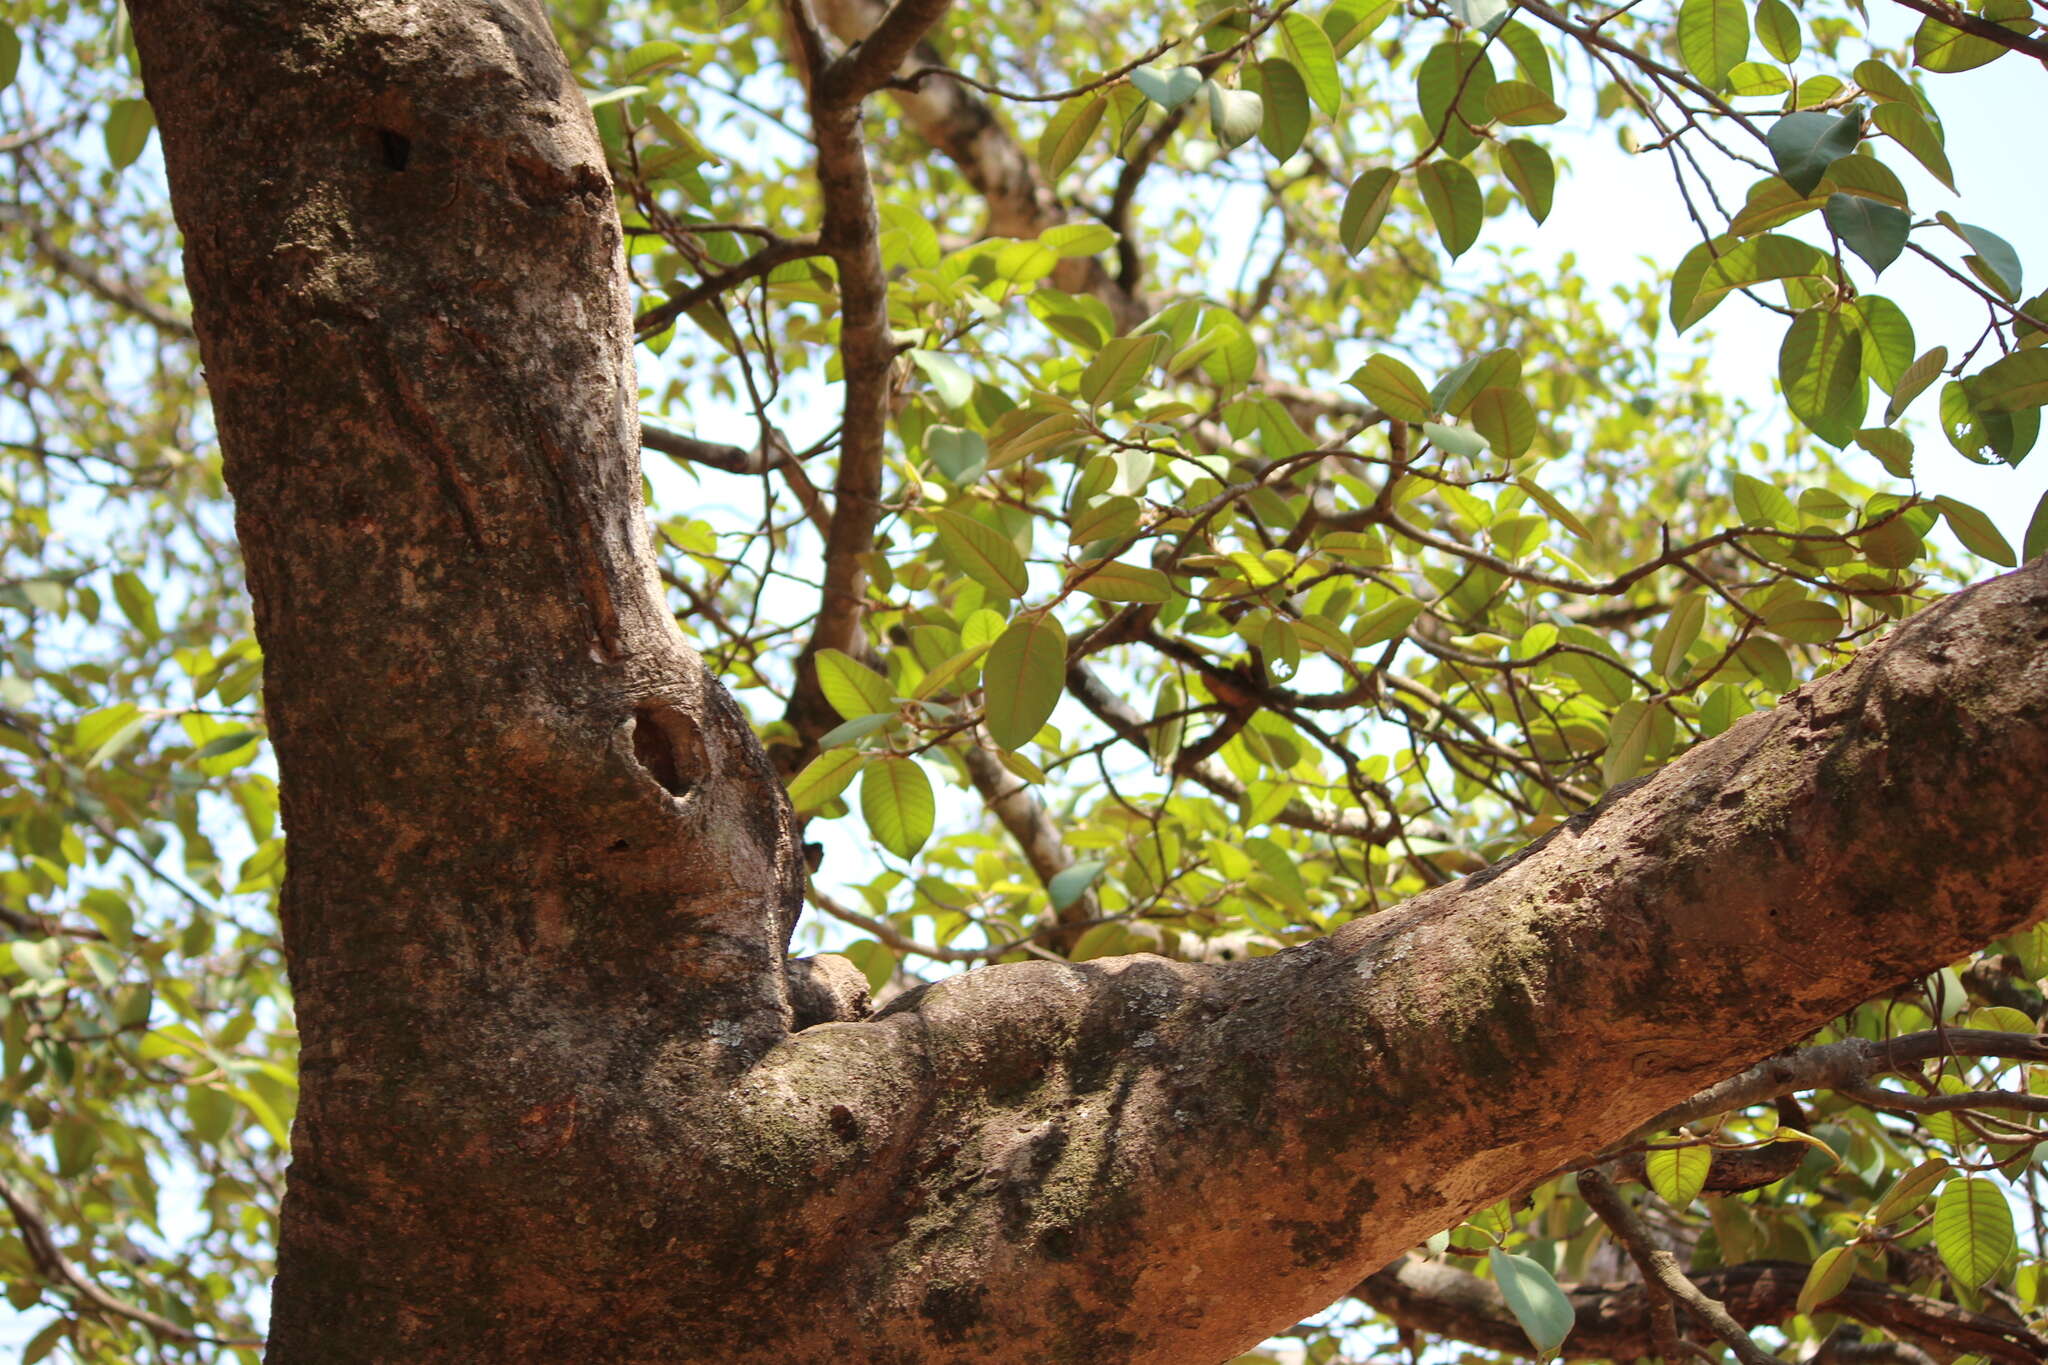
(556, 1106)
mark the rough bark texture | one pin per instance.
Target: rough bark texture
(542, 879)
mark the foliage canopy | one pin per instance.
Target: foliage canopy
(1141, 509)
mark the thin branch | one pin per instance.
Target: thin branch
(1038, 838)
(58, 1269)
(1613, 1320)
(122, 294)
(1978, 27)
(1843, 1066)
(1660, 1265)
(778, 252)
(865, 68)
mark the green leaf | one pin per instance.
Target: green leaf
(1881, 82)
(2010, 384)
(1365, 206)
(104, 733)
(1316, 59)
(1533, 1297)
(1456, 207)
(1777, 28)
(1985, 436)
(138, 604)
(984, 553)
(1677, 636)
(1976, 531)
(1287, 107)
(1119, 367)
(1876, 232)
(1771, 203)
(1995, 262)
(1867, 178)
(1761, 504)
(897, 803)
(1973, 1229)
(1758, 79)
(1678, 1174)
(10, 55)
(1937, 47)
(852, 687)
(1105, 518)
(1904, 125)
(1528, 167)
(1768, 257)
(1022, 679)
(128, 126)
(953, 667)
(1167, 89)
(1518, 104)
(1828, 1276)
(1908, 1191)
(1071, 240)
(1713, 35)
(1803, 146)
(1532, 60)
(1451, 84)
(876, 962)
(1068, 131)
(1454, 440)
(1394, 388)
(1558, 511)
(1820, 368)
(951, 384)
(1803, 620)
(2035, 542)
(957, 453)
(1887, 339)
(1504, 418)
(1234, 115)
(1628, 741)
(1070, 883)
(1114, 581)
(1914, 382)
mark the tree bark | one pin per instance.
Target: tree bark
(542, 879)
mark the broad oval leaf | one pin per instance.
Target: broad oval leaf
(1804, 145)
(1394, 388)
(1678, 1174)
(1022, 679)
(985, 553)
(1973, 1229)
(852, 687)
(1713, 35)
(1451, 194)
(1534, 1298)
(897, 803)
(1365, 206)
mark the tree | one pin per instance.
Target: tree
(1236, 1042)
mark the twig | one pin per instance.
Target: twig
(56, 1267)
(1661, 1267)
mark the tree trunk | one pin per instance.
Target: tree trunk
(555, 1106)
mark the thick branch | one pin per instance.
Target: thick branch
(1270, 1127)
